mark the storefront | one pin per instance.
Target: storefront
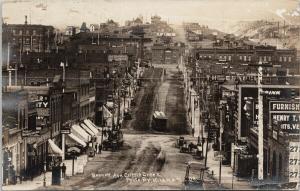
(54, 156)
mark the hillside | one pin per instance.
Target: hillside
(282, 34)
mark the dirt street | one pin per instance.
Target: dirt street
(148, 157)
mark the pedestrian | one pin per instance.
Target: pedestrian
(96, 148)
(100, 148)
(63, 169)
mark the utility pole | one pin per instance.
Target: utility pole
(119, 111)
(260, 125)
(221, 133)
(260, 155)
(207, 140)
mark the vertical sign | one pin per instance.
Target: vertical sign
(294, 162)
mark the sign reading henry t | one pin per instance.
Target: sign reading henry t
(286, 115)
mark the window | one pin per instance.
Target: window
(34, 32)
(33, 40)
(290, 59)
(241, 57)
(280, 59)
(27, 32)
(249, 58)
(225, 57)
(14, 31)
(220, 57)
(229, 58)
(265, 58)
(27, 41)
(269, 58)
(260, 58)
(245, 58)
(20, 32)
(284, 59)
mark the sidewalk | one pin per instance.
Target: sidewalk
(226, 172)
(39, 180)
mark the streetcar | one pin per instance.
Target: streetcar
(159, 121)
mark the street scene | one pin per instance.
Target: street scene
(138, 96)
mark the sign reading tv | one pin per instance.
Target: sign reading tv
(271, 93)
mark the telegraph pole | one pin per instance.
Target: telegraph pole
(260, 125)
(207, 140)
(260, 155)
(221, 133)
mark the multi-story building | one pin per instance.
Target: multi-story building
(16, 119)
(237, 57)
(28, 38)
(48, 100)
(162, 54)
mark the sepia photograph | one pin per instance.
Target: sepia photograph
(150, 95)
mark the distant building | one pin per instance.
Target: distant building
(170, 54)
(94, 27)
(134, 22)
(71, 30)
(109, 26)
(84, 28)
(27, 38)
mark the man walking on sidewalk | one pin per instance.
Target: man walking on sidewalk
(63, 169)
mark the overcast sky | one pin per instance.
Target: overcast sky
(215, 13)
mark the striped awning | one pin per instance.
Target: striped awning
(54, 150)
(77, 139)
(87, 129)
(80, 133)
(92, 126)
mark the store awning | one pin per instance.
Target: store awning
(92, 126)
(106, 112)
(87, 129)
(77, 140)
(54, 150)
(80, 133)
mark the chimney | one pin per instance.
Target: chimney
(26, 20)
